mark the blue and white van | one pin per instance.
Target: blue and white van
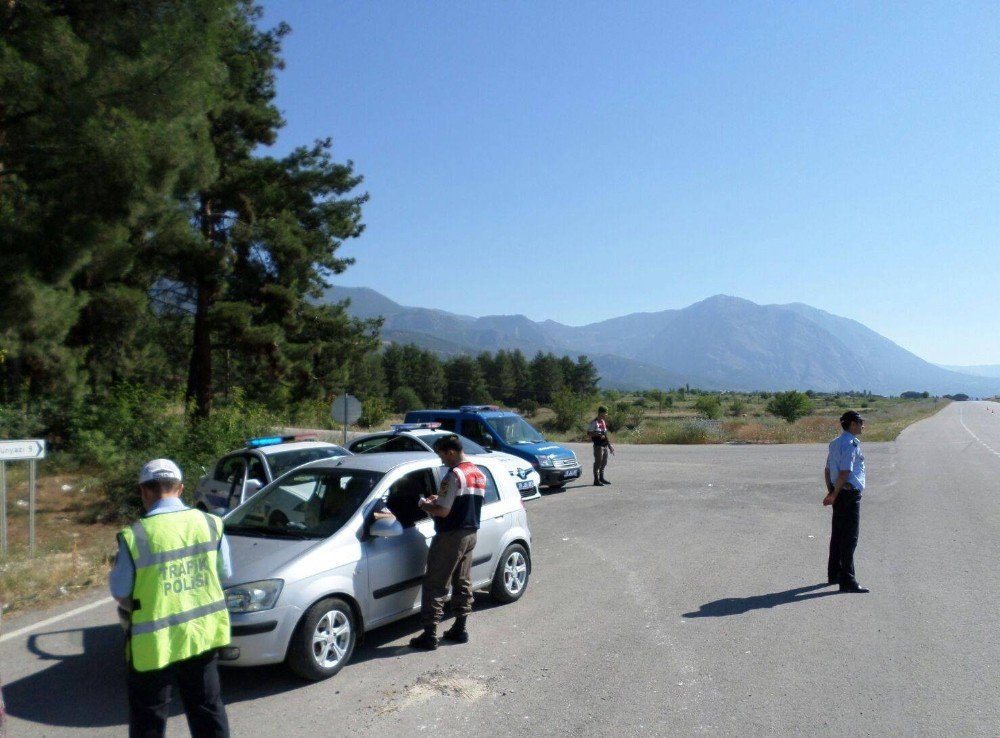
(504, 430)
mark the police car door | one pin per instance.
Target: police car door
(396, 565)
(492, 526)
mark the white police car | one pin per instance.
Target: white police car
(421, 437)
(240, 474)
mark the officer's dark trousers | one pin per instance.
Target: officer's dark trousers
(198, 681)
(844, 537)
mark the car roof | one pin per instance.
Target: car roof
(377, 462)
(277, 448)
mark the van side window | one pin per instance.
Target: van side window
(492, 493)
(406, 492)
(477, 431)
(447, 424)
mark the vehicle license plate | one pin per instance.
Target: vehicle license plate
(571, 473)
(527, 484)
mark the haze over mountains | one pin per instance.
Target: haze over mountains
(721, 343)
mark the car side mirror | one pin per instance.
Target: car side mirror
(250, 488)
(385, 528)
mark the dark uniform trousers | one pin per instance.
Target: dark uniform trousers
(844, 536)
(600, 459)
(198, 681)
(449, 560)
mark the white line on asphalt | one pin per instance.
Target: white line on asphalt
(961, 419)
(56, 619)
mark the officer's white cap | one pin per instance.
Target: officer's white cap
(159, 469)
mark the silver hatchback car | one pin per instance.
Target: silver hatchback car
(315, 566)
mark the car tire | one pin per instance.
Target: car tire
(323, 641)
(511, 577)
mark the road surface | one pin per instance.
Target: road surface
(688, 598)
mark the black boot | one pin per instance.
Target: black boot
(597, 482)
(457, 631)
(427, 640)
(604, 481)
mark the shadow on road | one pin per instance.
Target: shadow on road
(740, 605)
(83, 688)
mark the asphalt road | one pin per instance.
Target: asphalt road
(688, 598)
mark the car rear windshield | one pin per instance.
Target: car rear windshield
(513, 429)
(287, 460)
(312, 503)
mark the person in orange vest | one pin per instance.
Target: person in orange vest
(456, 510)
(598, 432)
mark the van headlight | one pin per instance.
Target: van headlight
(545, 461)
(253, 596)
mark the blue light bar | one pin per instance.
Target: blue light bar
(477, 408)
(273, 440)
(399, 427)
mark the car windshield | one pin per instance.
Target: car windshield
(312, 503)
(513, 429)
(287, 460)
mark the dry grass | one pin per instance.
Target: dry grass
(71, 555)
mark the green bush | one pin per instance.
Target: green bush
(737, 407)
(405, 398)
(790, 405)
(569, 410)
(374, 411)
(20, 423)
(527, 407)
(708, 406)
(164, 432)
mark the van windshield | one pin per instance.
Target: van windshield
(305, 504)
(513, 429)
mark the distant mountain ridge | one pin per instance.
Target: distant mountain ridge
(722, 343)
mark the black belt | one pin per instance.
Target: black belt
(847, 488)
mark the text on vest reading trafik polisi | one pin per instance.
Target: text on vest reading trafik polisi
(179, 578)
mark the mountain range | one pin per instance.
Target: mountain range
(720, 343)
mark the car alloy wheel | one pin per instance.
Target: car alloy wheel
(324, 640)
(331, 639)
(511, 577)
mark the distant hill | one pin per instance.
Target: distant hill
(981, 370)
(722, 342)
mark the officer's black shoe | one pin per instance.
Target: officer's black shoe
(426, 641)
(456, 634)
(604, 481)
(854, 588)
(598, 483)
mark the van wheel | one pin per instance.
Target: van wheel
(324, 640)
(511, 577)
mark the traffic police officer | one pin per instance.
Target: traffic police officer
(844, 474)
(167, 580)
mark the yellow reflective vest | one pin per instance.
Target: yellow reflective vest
(179, 607)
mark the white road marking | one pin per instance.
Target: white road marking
(961, 419)
(56, 619)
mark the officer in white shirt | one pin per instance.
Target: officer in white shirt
(844, 474)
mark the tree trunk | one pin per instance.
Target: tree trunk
(199, 386)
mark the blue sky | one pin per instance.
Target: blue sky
(584, 160)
